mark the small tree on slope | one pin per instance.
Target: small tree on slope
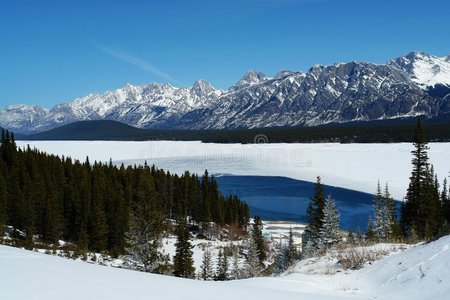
(254, 266)
(384, 207)
(287, 255)
(222, 266)
(257, 237)
(329, 232)
(183, 262)
(207, 272)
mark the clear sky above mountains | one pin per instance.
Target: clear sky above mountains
(55, 51)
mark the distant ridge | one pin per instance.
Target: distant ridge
(396, 130)
(91, 130)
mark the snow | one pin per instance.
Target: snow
(424, 69)
(422, 272)
(352, 166)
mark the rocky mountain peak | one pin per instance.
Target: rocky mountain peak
(424, 69)
(283, 73)
(202, 88)
(250, 78)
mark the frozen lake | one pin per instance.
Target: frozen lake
(352, 166)
(286, 199)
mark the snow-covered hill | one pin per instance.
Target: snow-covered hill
(422, 272)
(415, 84)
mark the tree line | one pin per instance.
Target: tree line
(93, 204)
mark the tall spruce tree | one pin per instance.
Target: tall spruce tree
(183, 263)
(314, 214)
(421, 211)
(258, 238)
(445, 199)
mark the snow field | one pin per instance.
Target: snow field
(418, 273)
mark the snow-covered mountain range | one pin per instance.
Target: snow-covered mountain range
(411, 85)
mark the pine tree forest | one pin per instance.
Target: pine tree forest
(101, 207)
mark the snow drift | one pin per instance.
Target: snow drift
(422, 272)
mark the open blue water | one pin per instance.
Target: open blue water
(286, 199)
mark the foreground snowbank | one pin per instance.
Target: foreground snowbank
(352, 166)
(29, 275)
(422, 272)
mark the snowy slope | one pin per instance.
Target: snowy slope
(27, 275)
(424, 69)
(420, 273)
(353, 166)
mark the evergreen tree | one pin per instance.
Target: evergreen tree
(391, 214)
(236, 272)
(421, 212)
(281, 260)
(253, 264)
(445, 199)
(370, 233)
(379, 222)
(147, 226)
(183, 263)
(206, 267)
(98, 227)
(329, 232)
(359, 236)
(309, 248)
(3, 198)
(350, 237)
(315, 214)
(52, 216)
(93, 205)
(384, 207)
(222, 266)
(287, 255)
(257, 237)
(292, 253)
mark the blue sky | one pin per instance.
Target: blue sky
(54, 51)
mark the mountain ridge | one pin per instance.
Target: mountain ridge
(407, 86)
